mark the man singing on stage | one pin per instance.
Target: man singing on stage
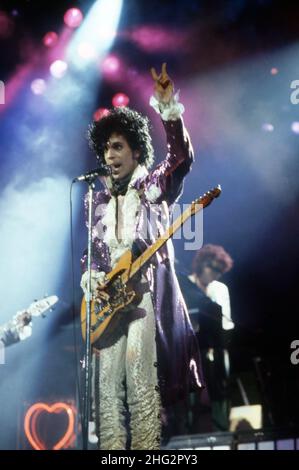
(151, 359)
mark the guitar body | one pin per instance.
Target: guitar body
(116, 295)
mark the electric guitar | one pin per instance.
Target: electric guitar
(24, 317)
(117, 292)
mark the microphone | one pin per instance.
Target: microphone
(104, 170)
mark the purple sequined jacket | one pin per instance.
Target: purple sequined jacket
(178, 359)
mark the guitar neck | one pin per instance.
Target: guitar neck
(151, 250)
(196, 206)
(24, 317)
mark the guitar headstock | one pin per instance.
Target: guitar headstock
(205, 199)
(41, 306)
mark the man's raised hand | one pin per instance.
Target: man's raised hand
(163, 89)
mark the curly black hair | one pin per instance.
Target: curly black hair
(127, 122)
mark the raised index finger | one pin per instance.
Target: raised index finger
(154, 74)
(164, 71)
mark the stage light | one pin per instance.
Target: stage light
(295, 127)
(100, 113)
(120, 99)
(274, 71)
(50, 39)
(106, 34)
(157, 38)
(267, 127)
(58, 68)
(98, 29)
(73, 17)
(86, 50)
(110, 65)
(38, 86)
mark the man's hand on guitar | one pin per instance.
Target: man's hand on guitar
(101, 294)
(23, 319)
(97, 282)
(23, 325)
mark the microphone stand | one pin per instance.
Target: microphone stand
(88, 296)
(90, 177)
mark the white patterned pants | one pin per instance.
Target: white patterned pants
(126, 374)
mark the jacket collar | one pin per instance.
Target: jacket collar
(139, 173)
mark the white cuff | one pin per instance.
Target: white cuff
(25, 331)
(170, 111)
(19, 330)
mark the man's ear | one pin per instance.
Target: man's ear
(136, 154)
